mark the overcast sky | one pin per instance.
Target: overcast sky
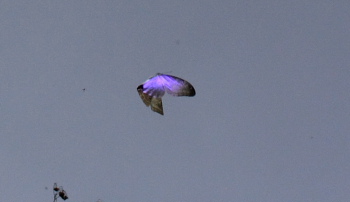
(270, 120)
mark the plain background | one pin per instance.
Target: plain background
(270, 121)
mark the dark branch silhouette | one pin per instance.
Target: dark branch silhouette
(59, 192)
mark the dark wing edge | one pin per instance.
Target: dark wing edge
(186, 89)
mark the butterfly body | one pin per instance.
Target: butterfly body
(152, 90)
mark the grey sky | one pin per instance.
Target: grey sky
(269, 122)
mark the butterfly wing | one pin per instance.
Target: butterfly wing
(154, 87)
(176, 86)
(157, 106)
(152, 90)
(156, 103)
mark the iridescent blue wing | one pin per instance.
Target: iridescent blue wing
(152, 90)
(176, 86)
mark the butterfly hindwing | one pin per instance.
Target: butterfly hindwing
(156, 103)
(144, 96)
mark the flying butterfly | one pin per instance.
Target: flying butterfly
(152, 90)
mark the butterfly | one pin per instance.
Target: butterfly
(152, 90)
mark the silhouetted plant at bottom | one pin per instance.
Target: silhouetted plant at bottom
(59, 192)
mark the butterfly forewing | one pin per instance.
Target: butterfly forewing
(177, 86)
(154, 86)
